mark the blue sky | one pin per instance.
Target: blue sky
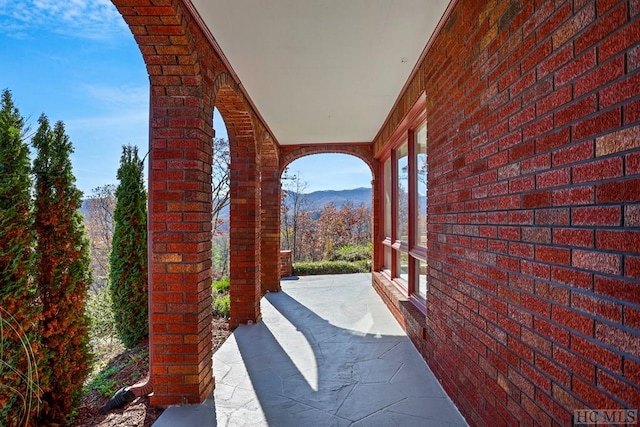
(76, 61)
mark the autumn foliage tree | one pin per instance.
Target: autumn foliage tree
(315, 235)
(128, 260)
(19, 312)
(63, 275)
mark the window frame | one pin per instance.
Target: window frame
(406, 132)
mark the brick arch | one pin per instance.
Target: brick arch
(245, 200)
(173, 49)
(270, 214)
(362, 151)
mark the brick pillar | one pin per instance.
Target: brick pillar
(180, 244)
(376, 225)
(270, 223)
(286, 265)
(244, 231)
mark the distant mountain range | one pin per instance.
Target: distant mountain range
(315, 201)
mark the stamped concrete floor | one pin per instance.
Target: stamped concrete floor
(327, 353)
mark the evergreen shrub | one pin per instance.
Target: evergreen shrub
(19, 310)
(128, 260)
(63, 275)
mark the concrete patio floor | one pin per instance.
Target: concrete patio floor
(327, 353)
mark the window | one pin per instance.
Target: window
(402, 193)
(405, 206)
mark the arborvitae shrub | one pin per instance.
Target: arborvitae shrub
(19, 311)
(63, 275)
(128, 261)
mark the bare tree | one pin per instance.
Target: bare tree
(294, 204)
(220, 181)
(99, 222)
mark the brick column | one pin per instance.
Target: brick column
(180, 243)
(270, 221)
(377, 254)
(244, 234)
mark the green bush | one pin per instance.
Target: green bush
(221, 305)
(221, 285)
(352, 253)
(221, 300)
(331, 267)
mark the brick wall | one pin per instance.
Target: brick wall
(187, 78)
(533, 308)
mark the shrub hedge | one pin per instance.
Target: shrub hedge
(352, 253)
(331, 267)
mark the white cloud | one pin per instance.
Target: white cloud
(91, 19)
(120, 96)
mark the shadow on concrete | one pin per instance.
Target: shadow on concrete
(327, 353)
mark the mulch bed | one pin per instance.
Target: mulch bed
(138, 413)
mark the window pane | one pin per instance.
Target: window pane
(387, 257)
(402, 158)
(421, 186)
(421, 279)
(403, 266)
(387, 199)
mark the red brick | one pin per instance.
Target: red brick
(632, 264)
(619, 91)
(623, 290)
(555, 61)
(599, 76)
(577, 365)
(596, 261)
(620, 387)
(619, 191)
(597, 170)
(552, 216)
(621, 241)
(573, 196)
(597, 124)
(550, 141)
(549, 367)
(597, 307)
(573, 153)
(553, 178)
(595, 353)
(632, 163)
(536, 235)
(632, 370)
(575, 110)
(573, 320)
(619, 41)
(572, 277)
(573, 237)
(619, 338)
(537, 199)
(557, 334)
(554, 100)
(603, 29)
(575, 68)
(552, 255)
(596, 215)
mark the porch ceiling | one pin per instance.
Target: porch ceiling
(322, 71)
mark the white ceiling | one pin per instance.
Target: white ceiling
(322, 71)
